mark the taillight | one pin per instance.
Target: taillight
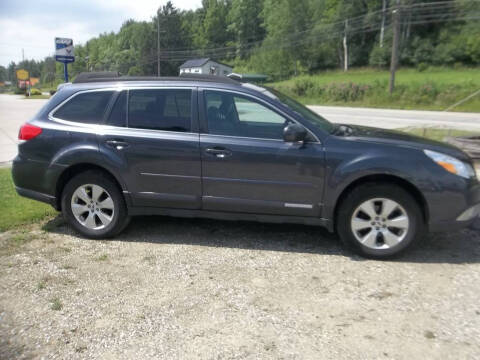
(28, 132)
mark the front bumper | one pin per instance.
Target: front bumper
(463, 210)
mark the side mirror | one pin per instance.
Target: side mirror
(294, 133)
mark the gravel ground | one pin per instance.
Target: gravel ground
(182, 289)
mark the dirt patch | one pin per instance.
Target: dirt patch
(187, 289)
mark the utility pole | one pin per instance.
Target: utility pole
(382, 29)
(345, 48)
(394, 60)
(158, 43)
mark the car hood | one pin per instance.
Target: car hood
(399, 138)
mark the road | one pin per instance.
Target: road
(15, 110)
(393, 119)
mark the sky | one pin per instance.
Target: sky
(33, 24)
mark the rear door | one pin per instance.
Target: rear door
(246, 165)
(152, 133)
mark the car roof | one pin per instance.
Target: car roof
(104, 80)
(110, 76)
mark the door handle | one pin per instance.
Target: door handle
(218, 152)
(117, 144)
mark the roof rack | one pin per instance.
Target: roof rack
(109, 76)
(248, 77)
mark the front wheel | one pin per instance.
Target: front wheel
(379, 220)
(93, 204)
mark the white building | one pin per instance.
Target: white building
(205, 66)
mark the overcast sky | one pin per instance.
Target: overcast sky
(33, 24)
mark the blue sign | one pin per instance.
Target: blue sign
(64, 50)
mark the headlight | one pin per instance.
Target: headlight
(451, 164)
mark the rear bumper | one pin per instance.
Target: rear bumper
(35, 195)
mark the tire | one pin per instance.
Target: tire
(379, 221)
(104, 220)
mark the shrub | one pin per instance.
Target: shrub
(425, 93)
(380, 56)
(346, 91)
(422, 67)
(19, 91)
(302, 86)
(35, 92)
(423, 52)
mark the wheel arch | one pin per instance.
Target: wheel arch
(384, 179)
(76, 169)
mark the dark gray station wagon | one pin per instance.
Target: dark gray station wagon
(104, 149)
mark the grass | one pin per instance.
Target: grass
(56, 304)
(437, 134)
(103, 257)
(37, 97)
(432, 89)
(16, 210)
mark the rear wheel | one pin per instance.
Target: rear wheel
(379, 220)
(93, 204)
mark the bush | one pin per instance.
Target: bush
(19, 91)
(423, 52)
(426, 93)
(346, 91)
(35, 92)
(422, 67)
(302, 86)
(52, 92)
(380, 56)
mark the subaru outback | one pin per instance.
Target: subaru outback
(106, 148)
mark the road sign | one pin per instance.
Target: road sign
(22, 74)
(64, 50)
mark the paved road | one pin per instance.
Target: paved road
(15, 110)
(391, 119)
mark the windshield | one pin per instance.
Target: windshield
(302, 110)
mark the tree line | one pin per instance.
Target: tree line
(280, 38)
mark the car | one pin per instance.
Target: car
(109, 147)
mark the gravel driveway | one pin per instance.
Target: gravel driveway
(186, 289)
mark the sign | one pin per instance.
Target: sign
(34, 81)
(22, 74)
(23, 84)
(64, 50)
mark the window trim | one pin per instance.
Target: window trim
(77, 123)
(267, 105)
(111, 106)
(194, 118)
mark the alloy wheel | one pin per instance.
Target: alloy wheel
(92, 206)
(380, 223)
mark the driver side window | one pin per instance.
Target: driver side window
(235, 115)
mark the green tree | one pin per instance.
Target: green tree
(245, 24)
(3, 73)
(172, 36)
(215, 23)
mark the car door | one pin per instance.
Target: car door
(152, 135)
(246, 165)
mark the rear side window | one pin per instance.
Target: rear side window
(118, 115)
(87, 108)
(160, 109)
